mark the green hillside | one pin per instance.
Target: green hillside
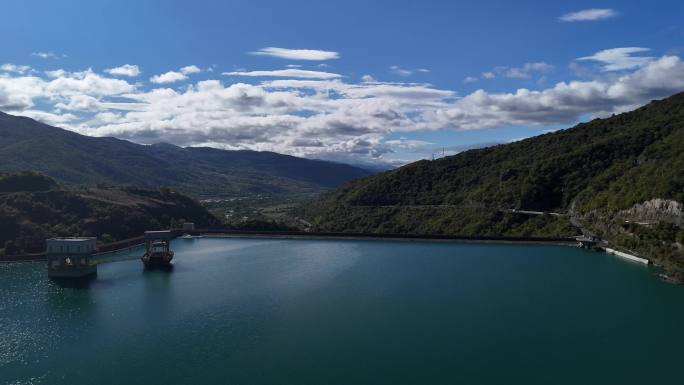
(26, 144)
(595, 173)
(36, 208)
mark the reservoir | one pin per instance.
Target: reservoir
(275, 311)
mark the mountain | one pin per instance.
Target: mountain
(34, 207)
(621, 178)
(26, 144)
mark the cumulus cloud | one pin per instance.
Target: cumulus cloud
(565, 102)
(124, 70)
(297, 54)
(191, 69)
(21, 92)
(175, 76)
(589, 15)
(87, 82)
(168, 77)
(286, 73)
(618, 59)
(49, 118)
(58, 73)
(368, 79)
(80, 103)
(18, 93)
(13, 68)
(327, 118)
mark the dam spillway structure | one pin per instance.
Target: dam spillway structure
(71, 257)
(158, 249)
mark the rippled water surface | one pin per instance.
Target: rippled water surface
(256, 311)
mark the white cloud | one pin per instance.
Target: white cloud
(87, 82)
(297, 54)
(81, 103)
(526, 71)
(107, 117)
(175, 76)
(47, 55)
(56, 73)
(124, 70)
(191, 69)
(317, 117)
(49, 118)
(407, 72)
(589, 15)
(13, 68)
(286, 73)
(168, 77)
(368, 79)
(565, 102)
(19, 93)
(618, 59)
(401, 71)
(411, 145)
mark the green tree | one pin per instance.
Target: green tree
(680, 237)
(106, 238)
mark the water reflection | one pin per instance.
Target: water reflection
(79, 283)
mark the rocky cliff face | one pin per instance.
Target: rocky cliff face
(656, 210)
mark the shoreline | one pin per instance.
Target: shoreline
(296, 235)
(134, 242)
(403, 238)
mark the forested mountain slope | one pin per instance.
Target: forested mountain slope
(595, 172)
(34, 207)
(26, 144)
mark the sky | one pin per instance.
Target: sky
(364, 82)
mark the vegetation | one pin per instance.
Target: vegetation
(75, 159)
(26, 182)
(32, 213)
(590, 172)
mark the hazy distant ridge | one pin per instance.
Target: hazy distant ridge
(26, 144)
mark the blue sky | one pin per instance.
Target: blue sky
(383, 81)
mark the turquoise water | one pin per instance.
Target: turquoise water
(255, 311)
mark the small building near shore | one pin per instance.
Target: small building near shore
(70, 257)
(586, 242)
(188, 226)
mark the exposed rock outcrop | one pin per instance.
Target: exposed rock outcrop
(656, 210)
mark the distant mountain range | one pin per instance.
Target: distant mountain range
(26, 144)
(621, 178)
